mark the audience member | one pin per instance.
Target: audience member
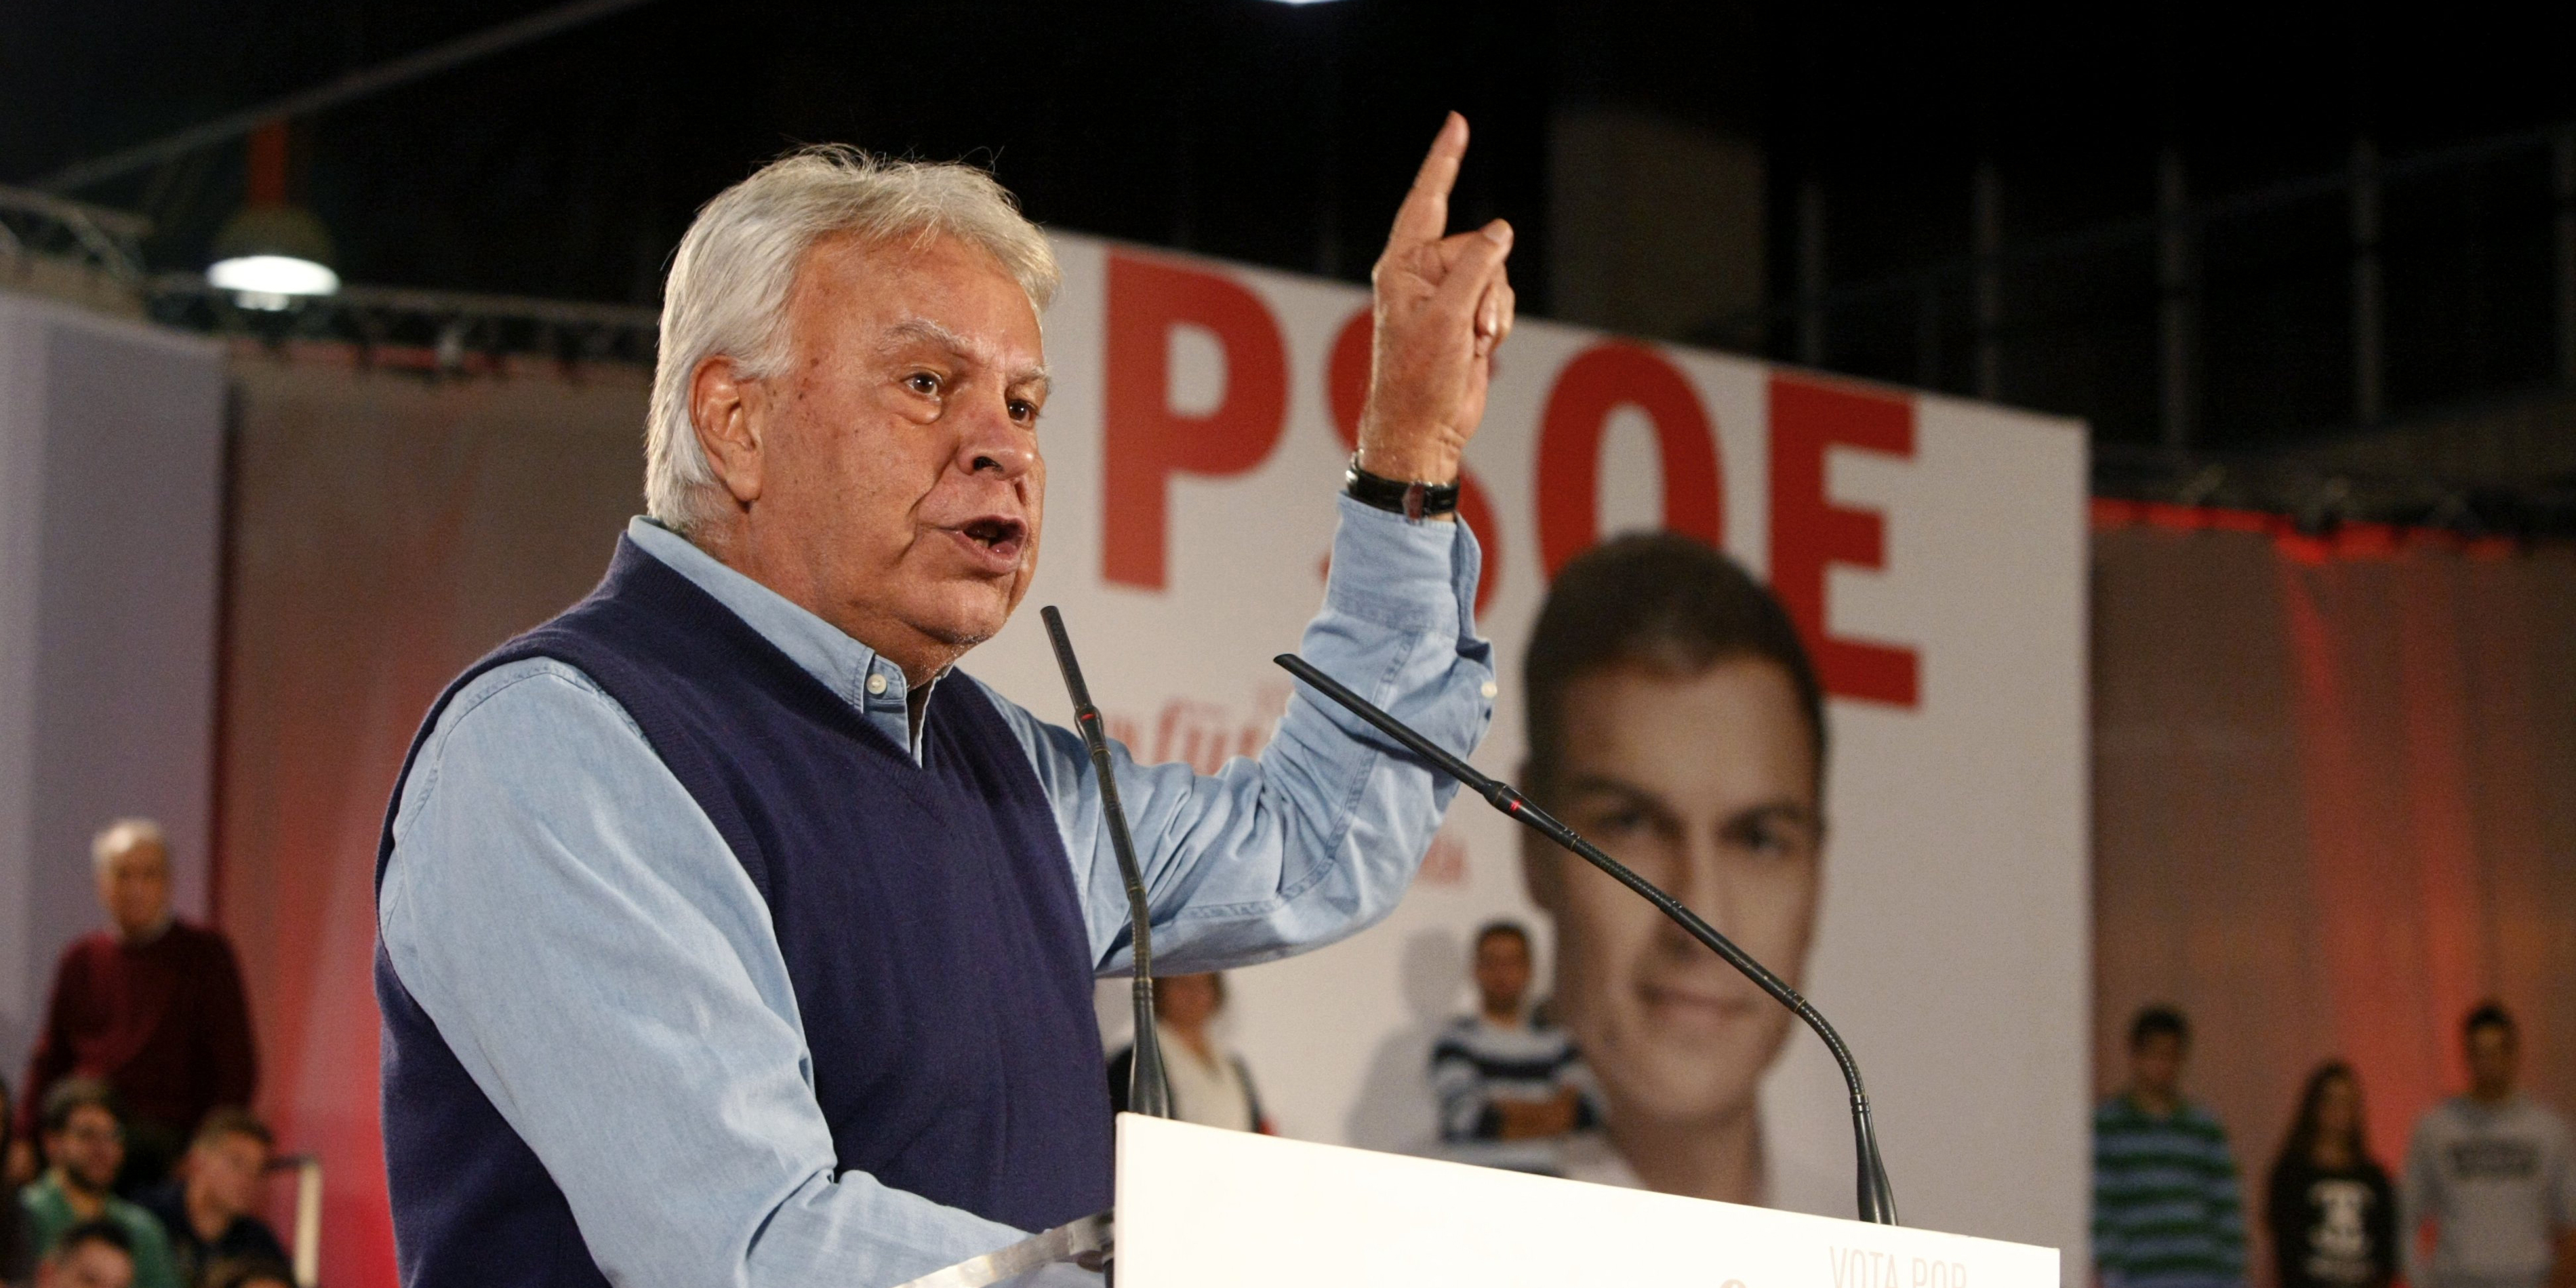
(2166, 1213)
(248, 1272)
(1510, 1087)
(153, 1007)
(92, 1254)
(2492, 1173)
(2331, 1211)
(85, 1143)
(1210, 1085)
(208, 1208)
(17, 1243)
(1675, 719)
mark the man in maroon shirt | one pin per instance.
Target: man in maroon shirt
(154, 1008)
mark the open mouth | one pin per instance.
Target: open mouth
(996, 539)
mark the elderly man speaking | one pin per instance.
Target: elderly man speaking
(729, 934)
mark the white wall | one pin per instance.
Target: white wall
(111, 485)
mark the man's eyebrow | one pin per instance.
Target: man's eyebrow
(923, 330)
(1596, 782)
(1796, 811)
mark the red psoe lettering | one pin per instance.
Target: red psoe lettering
(1346, 378)
(1599, 381)
(1146, 442)
(1809, 532)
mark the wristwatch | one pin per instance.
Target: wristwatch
(1415, 500)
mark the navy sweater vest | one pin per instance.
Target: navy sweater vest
(927, 914)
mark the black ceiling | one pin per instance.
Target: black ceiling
(1242, 128)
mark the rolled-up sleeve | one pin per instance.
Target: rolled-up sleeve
(607, 974)
(1319, 836)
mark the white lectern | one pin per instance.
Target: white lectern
(1204, 1208)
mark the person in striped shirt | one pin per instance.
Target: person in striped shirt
(1510, 1084)
(2166, 1211)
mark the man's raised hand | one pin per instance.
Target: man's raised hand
(1444, 304)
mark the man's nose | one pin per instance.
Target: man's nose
(992, 443)
(1701, 884)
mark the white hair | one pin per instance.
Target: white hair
(122, 835)
(728, 289)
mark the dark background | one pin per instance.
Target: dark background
(1283, 135)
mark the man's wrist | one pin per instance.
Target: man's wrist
(1412, 499)
(1425, 467)
(1425, 456)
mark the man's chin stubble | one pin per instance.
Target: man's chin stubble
(964, 637)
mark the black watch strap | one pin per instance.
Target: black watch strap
(1415, 500)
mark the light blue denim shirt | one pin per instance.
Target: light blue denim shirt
(585, 941)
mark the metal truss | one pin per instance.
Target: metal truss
(445, 331)
(2318, 494)
(37, 225)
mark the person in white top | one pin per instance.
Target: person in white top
(2494, 1175)
(1676, 721)
(1211, 1086)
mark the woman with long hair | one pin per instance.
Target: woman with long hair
(2332, 1213)
(1210, 1084)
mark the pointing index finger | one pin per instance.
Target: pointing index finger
(1424, 216)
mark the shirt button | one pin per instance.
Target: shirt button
(876, 684)
(1491, 688)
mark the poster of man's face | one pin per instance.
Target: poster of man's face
(1673, 722)
(1704, 785)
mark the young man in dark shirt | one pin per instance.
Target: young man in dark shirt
(207, 1208)
(2166, 1212)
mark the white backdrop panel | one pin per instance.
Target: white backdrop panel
(111, 486)
(1951, 949)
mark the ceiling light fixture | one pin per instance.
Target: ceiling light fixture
(271, 281)
(272, 252)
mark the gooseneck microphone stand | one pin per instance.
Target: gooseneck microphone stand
(1877, 1198)
(1148, 1091)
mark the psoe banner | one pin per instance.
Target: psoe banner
(1931, 554)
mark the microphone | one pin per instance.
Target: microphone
(1877, 1197)
(1148, 1091)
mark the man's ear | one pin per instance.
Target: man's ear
(725, 409)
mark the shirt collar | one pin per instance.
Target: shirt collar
(873, 686)
(147, 938)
